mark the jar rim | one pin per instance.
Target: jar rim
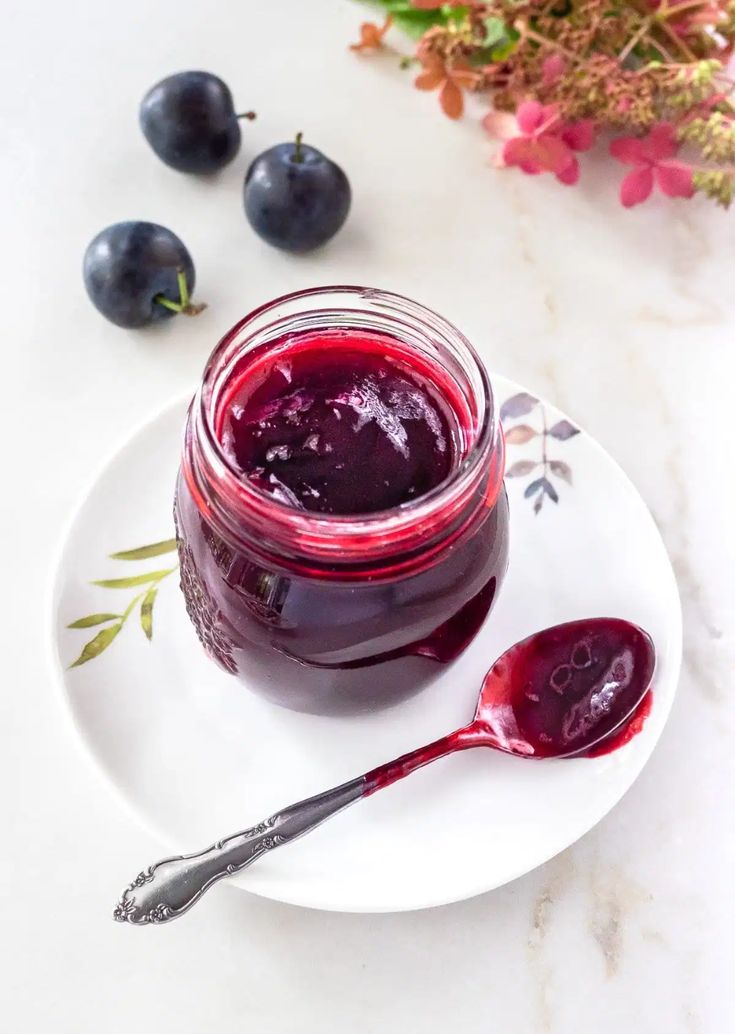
(353, 534)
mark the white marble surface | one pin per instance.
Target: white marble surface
(625, 319)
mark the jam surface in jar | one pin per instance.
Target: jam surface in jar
(341, 519)
(351, 430)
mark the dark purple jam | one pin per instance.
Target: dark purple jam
(348, 432)
(572, 688)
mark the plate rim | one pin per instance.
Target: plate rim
(61, 695)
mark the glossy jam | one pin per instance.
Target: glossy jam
(328, 424)
(568, 689)
(341, 432)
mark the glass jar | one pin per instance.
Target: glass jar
(339, 613)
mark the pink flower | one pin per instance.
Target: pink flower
(651, 157)
(553, 67)
(546, 143)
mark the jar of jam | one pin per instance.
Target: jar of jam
(340, 512)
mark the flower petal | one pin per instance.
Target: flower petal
(517, 151)
(465, 77)
(369, 37)
(629, 150)
(675, 179)
(636, 186)
(570, 175)
(430, 79)
(660, 143)
(451, 100)
(552, 153)
(463, 74)
(500, 124)
(530, 115)
(431, 61)
(553, 66)
(536, 154)
(580, 136)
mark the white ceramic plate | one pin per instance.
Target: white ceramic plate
(197, 756)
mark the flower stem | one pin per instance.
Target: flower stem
(686, 50)
(528, 33)
(546, 125)
(665, 11)
(636, 38)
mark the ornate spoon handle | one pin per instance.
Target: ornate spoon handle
(170, 887)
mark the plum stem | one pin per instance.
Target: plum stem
(184, 305)
(167, 303)
(298, 154)
(249, 115)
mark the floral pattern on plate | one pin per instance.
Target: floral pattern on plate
(545, 468)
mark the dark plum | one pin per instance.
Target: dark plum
(190, 122)
(138, 273)
(295, 197)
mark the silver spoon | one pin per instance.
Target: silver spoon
(561, 693)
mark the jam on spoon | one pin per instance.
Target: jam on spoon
(574, 690)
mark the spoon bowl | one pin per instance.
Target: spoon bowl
(564, 691)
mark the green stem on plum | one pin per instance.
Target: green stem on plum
(184, 305)
(249, 115)
(183, 288)
(298, 155)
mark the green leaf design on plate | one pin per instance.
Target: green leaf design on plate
(148, 583)
(133, 580)
(95, 646)
(146, 612)
(145, 552)
(93, 619)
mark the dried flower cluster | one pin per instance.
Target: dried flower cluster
(560, 73)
